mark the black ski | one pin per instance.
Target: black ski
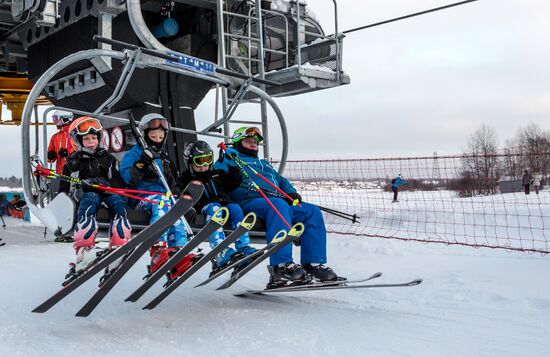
(150, 233)
(2, 243)
(280, 241)
(218, 220)
(333, 287)
(246, 225)
(234, 264)
(124, 267)
(314, 284)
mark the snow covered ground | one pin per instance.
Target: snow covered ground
(471, 303)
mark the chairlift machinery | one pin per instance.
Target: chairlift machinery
(114, 58)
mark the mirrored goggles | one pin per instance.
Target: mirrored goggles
(57, 119)
(203, 160)
(90, 125)
(252, 132)
(159, 123)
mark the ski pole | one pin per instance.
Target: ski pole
(351, 217)
(143, 144)
(255, 185)
(51, 174)
(283, 193)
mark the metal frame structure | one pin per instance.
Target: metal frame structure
(133, 58)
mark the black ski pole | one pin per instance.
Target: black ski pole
(351, 217)
(141, 142)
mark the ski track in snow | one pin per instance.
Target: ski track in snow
(471, 303)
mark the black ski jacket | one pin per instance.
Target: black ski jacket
(100, 166)
(216, 185)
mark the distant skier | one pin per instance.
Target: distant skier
(60, 146)
(526, 181)
(395, 184)
(537, 178)
(199, 158)
(282, 268)
(137, 171)
(91, 163)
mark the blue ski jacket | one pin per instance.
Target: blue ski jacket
(246, 191)
(145, 179)
(398, 182)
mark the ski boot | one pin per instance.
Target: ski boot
(120, 231)
(320, 272)
(64, 239)
(181, 267)
(86, 256)
(226, 257)
(243, 252)
(160, 254)
(246, 250)
(286, 274)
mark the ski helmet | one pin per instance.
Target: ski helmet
(61, 118)
(154, 121)
(198, 153)
(246, 132)
(83, 126)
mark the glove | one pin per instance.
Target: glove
(295, 196)
(63, 152)
(234, 175)
(51, 155)
(95, 181)
(191, 215)
(147, 156)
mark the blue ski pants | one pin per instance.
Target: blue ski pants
(176, 236)
(314, 238)
(235, 218)
(90, 202)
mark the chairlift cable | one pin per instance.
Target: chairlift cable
(408, 16)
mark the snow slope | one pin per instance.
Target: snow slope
(472, 303)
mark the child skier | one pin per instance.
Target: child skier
(199, 158)
(91, 163)
(313, 241)
(137, 171)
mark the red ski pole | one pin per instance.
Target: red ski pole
(285, 195)
(223, 147)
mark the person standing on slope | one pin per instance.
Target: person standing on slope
(395, 184)
(282, 268)
(526, 181)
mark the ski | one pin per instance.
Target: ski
(314, 284)
(218, 220)
(234, 264)
(245, 226)
(127, 263)
(2, 243)
(280, 241)
(333, 287)
(149, 233)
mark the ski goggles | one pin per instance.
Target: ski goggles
(61, 119)
(203, 160)
(87, 126)
(158, 123)
(252, 132)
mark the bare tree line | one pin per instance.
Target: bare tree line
(484, 163)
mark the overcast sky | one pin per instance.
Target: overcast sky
(417, 86)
